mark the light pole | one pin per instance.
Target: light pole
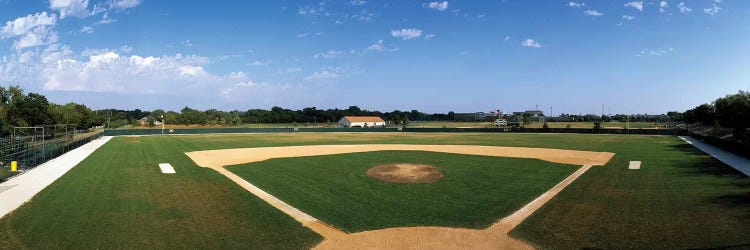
(162, 124)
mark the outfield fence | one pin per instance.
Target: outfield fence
(671, 131)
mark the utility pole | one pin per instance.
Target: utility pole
(162, 124)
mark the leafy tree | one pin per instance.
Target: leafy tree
(705, 114)
(29, 110)
(734, 111)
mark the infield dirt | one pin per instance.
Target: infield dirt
(405, 173)
(494, 237)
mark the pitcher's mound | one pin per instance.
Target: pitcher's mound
(405, 173)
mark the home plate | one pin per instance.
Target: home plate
(166, 168)
(634, 165)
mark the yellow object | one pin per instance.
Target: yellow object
(13, 166)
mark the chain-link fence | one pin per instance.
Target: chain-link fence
(32, 146)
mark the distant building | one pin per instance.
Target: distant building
(144, 121)
(361, 121)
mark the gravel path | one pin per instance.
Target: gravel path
(20, 189)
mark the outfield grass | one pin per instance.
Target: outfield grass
(116, 198)
(475, 192)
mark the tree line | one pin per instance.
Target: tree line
(730, 111)
(20, 109)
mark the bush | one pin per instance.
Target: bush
(597, 126)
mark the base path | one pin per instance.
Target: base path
(494, 237)
(20, 189)
(735, 161)
(226, 157)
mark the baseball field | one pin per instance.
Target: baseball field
(354, 190)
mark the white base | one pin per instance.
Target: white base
(634, 165)
(166, 168)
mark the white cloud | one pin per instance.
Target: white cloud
(429, 36)
(106, 19)
(684, 8)
(123, 4)
(57, 68)
(24, 25)
(258, 63)
(506, 38)
(293, 70)
(629, 18)
(441, 6)
(39, 36)
(323, 75)
(329, 54)
(302, 35)
(531, 43)
(592, 13)
(187, 43)
(87, 29)
(32, 30)
(406, 34)
(76, 8)
(363, 16)
(576, 5)
(377, 46)
(126, 49)
(111, 72)
(311, 11)
(635, 4)
(713, 10)
(663, 5)
(657, 52)
(238, 75)
(357, 2)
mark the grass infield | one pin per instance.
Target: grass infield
(117, 198)
(475, 192)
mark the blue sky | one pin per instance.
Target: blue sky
(435, 56)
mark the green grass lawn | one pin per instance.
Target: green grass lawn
(475, 192)
(5, 173)
(117, 198)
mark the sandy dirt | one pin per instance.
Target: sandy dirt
(226, 157)
(494, 237)
(405, 173)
